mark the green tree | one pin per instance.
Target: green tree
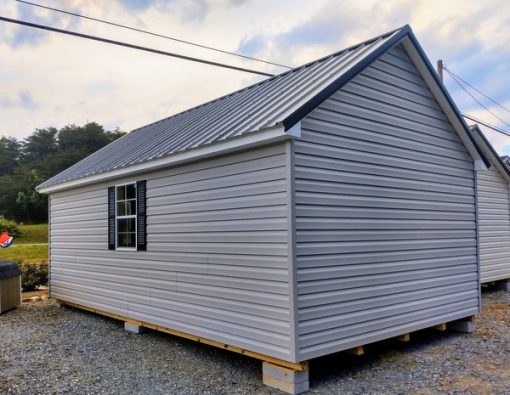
(9, 155)
(40, 144)
(33, 207)
(46, 152)
(77, 142)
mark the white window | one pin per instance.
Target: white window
(125, 216)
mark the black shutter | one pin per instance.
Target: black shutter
(141, 216)
(111, 218)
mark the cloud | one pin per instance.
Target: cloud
(138, 5)
(17, 36)
(330, 28)
(23, 100)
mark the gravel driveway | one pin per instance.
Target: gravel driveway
(45, 349)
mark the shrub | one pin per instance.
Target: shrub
(9, 226)
(33, 275)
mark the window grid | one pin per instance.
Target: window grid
(125, 213)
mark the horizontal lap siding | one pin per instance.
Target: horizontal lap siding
(385, 214)
(216, 263)
(494, 217)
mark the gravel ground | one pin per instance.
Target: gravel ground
(45, 349)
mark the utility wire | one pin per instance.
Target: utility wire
(476, 89)
(151, 33)
(475, 99)
(127, 45)
(488, 125)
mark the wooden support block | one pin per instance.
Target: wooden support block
(287, 380)
(440, 327)
(406, 337)
(133, 328)
(356, 351)
(463, 326)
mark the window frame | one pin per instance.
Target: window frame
(117, 217)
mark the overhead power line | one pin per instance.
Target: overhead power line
(475, 99)
(132, 46)
(153, 34)
(476, 89)
(486, 124)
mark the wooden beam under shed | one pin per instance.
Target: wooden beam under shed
(356, 351)
(406, 337)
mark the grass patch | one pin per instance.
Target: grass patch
(32, 234)
(25, 253)
(30, 247)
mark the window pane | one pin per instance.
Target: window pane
(125, 226)
(126, 240)
(131, 191)
(131, 207)
(121, 208)
(131, 240)
(121, 192)
(122, 240)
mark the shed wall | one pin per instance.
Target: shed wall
(216, 264)
(385, 213)
(494, 219)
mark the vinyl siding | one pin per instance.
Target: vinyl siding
(494, 218)
(386, 237)
(216, 264)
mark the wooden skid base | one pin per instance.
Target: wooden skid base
(298, 367)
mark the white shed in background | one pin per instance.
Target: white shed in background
(493, 193)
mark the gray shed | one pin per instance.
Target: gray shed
(10, 286)
(493, 193)
(319, 210)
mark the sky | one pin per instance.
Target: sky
(48, 79)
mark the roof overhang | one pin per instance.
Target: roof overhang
(249, 140)
(490, 152)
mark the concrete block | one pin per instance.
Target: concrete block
(503, 285)
(464, 326)
(134, 328)
(285, 379)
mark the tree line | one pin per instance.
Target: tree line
(26, 163)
